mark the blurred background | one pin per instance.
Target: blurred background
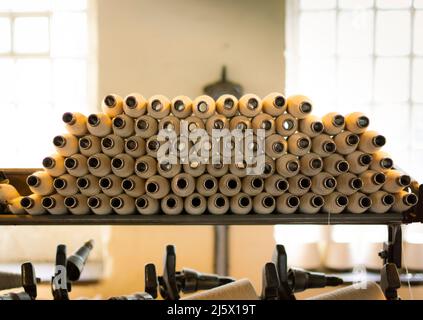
(346, 55)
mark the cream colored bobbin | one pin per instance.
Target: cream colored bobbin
(356, 122)
(371, 141)
(299, 184)
(100, 204)
(75, 123)
(359, 161)
(123, 165)
(241, 203)
(238, 290)
(99, 165)
(66, 144)
(240, 122)
(54, 165)
(229, 185)
(158, 106)
(287, 203)
(335, 164)
(191, 124)
(264, 122)
(134, 105)
(333, 123)
(65, 185)
(299, 144)
(99, 124)
(227, 105)
(54, 204)
(77, 204)
(181, 107)
(372, 181)
(311, 164)
(40, 182)
(299, 106)
(88, 185)
(194, 168)
(168, 170)
(133, 186)
(206, 185)
(346, 142)
(274, 104)
(123, 204)
(249, 105)
(203, 106)
(135, 146)
(381, 202)
(323, 183)
(153, 144)
(358, 203)
(216, 122)
(217, 170)
(264, 203)
(270, 167)
(32, 205)
(76, 165)
(170, 125)
(368, 291)
(286, 125)
(112, 145)
(311, 126)
(89, 145)
(112, 105)
(252, 185)
(404, 201)
(348, 183)
(195, 204)
(145, 167)
(276, 146)
(147, 205)
(381, 162)
(14, 206)
(335, 203)
(323, 145)
(239, 169)
(172, 204)
(8, 192)
(311, 203)
(396, 181)
(218, 204)
(157, 187)
(276, 185)
(287, 165)
(111, 185)
(123, 126)
(146, 126)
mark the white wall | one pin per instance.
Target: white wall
(177, 46)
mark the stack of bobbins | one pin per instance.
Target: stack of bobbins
(108, 162)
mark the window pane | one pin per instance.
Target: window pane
(69, 34)
(417, 125)
(318, 4)
(393, 4)
(7, 74)
(418, 80)
(69, 5)
(317, 80)
(69, 85)
(354, 81)
(418, 4)
(317, 33)
(355, 33)
(392, 80)
(355, 4)
(33, 81)
(30, 5)
(392, 33)
(31, 35)
(418, 33)
(4, 35)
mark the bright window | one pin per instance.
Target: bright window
(43, 73)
